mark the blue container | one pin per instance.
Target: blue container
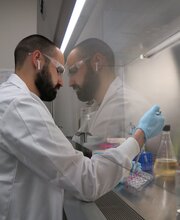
(146, 160)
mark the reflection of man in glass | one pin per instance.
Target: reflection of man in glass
(91, 74)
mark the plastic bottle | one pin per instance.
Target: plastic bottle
(166, 162)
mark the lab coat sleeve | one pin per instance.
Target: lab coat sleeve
(30, 134)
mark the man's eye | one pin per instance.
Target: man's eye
(73, 70)
(60, 70)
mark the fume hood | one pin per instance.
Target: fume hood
(131, 28)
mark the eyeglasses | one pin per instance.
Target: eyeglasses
(75, 67)
(59, 67)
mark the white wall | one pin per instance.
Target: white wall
(18, 18)
(47, 21)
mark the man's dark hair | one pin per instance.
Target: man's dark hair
(30, 44)
(91, 46)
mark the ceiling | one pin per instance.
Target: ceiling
(129, 27)
(139, 25)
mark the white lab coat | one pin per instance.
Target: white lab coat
(120, 107)
(37, 162)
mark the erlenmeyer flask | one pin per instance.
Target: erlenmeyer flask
(166, 162)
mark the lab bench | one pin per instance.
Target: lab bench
(152, 203)
(157, 201)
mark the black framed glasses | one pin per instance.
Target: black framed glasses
(59, 67)
(73, 69)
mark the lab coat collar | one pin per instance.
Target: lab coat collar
(112, 90)
(17, 81)
(117, 82)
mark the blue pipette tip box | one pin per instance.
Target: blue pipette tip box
(146, 161)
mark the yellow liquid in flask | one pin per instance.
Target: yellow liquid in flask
(165, 167)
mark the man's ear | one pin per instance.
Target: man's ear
(97, 62)
(36, 59)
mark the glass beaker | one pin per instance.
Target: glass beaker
(165, 162)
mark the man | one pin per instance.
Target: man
(37, 162)
(91, 68)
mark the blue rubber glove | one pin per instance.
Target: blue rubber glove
(152, 122)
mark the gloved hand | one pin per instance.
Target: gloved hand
(152, 122)
(135, 167)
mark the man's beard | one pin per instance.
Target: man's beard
(45, 86)
(87, 91)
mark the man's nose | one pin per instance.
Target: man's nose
(61, 81)
(71, 82)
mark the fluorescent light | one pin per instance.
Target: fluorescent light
(168, 42)
(141, 57)
(72, 23)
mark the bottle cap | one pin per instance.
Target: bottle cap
(167, 128)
